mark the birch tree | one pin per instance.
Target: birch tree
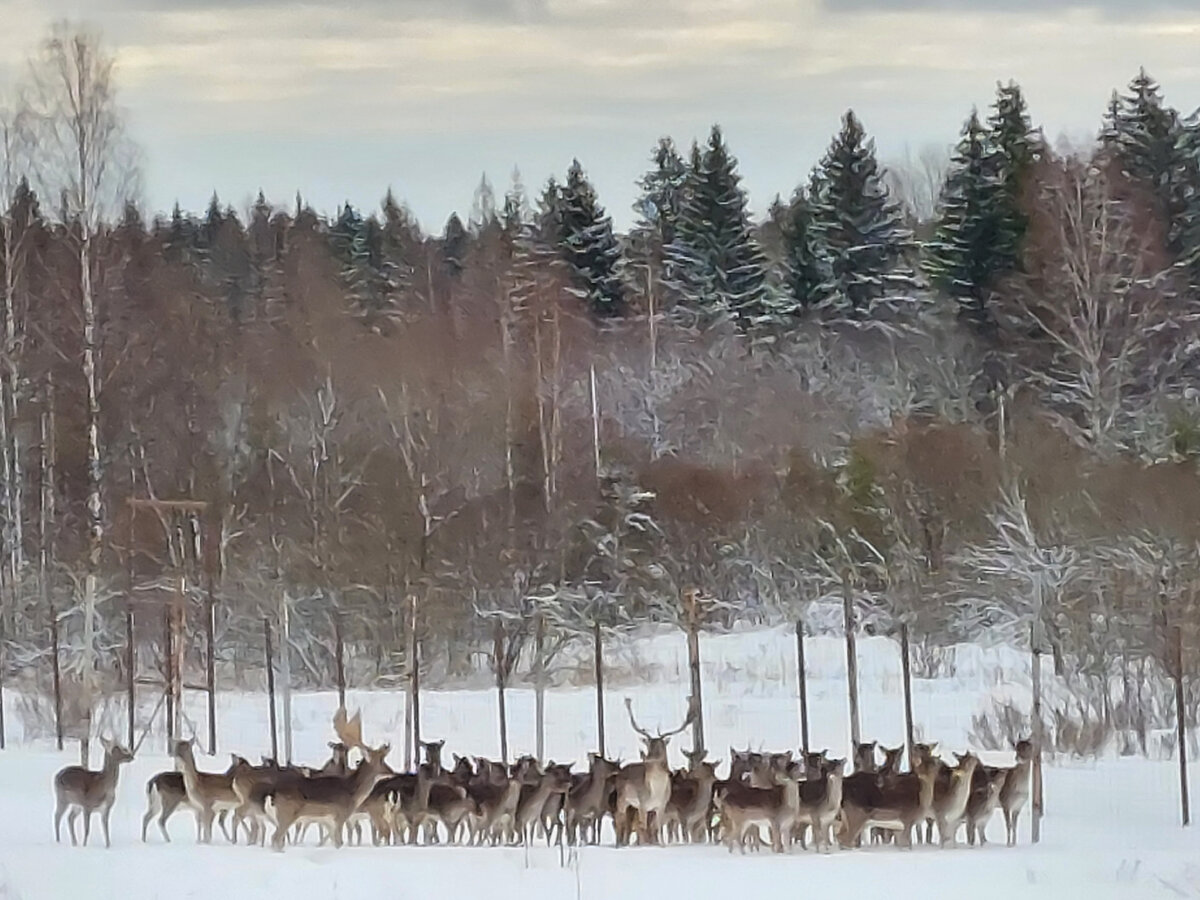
(87, 163)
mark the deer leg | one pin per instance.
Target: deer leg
(60, 807)
(153, 805)
(87, 825)
(104, 814)
(71, 817)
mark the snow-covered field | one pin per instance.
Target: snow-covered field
(1111, 828)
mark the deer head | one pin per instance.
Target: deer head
(115, 752)
(349, 731)
(656, 745)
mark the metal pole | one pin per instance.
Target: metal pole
(802, 678)
(1181, 726)
(271, 689)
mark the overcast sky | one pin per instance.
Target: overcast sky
(340, 100)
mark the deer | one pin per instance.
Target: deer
(743, 807)
(891, 760)
(82, 790)
(864, 757)
(644, 789)
(689, 811)
(166, 792)
(898, 803)
(1015, 792)
(207, 792)
(587, 800)
(496, 796)
(950, 803)
(986, 785)
(820, 803)
(328, 799)
(555, 780)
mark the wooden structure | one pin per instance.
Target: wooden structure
(192, 565)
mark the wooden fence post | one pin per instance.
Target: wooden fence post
(802, 678)
(906, 673)
(598, 662)
(1181, 725)
(271, 689)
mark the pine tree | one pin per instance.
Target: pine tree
(1157, 151)
(455, 242)
(400, 243)
(589, 247)
(859, 226)
(1014, 149)
(804, 266)
(967, 252)
(716, 266)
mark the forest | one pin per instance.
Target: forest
(975, 416)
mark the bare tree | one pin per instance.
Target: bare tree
(85, 161)
(1114, 336)
(915, 179)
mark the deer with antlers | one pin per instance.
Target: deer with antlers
(81, 790)
(644, 789)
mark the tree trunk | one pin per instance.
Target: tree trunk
(95, 511)
(498, 658)
(46, 551)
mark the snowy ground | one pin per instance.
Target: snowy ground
(1111, 828)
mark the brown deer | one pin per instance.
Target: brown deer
(864, 757)
(1015, 792)
(166, 792)
(587, 800)
(207, 792)
(950, 801)
(643, 789)
(891, 760)
(496, 796)
(742, 807)
(689, 810)
(986, 786)
(328, 799)
(83, 791)
(820, 803)
(899, 803)
(555, 780)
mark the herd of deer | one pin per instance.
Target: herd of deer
(768, 797)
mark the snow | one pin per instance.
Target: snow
(1112, 827)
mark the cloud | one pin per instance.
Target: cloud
(1109, 8)
(484, 10)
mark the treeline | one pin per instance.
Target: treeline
(973, 424)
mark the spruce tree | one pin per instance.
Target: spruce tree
(1014, 149)
(661, 201)
(860, 228)
(455, 242)
(967, 252)
(717, 267)
(804, 266)
(589, 247)
(1157, 151)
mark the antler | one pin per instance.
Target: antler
(691, 717)
(349, 731)
(633, 721)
